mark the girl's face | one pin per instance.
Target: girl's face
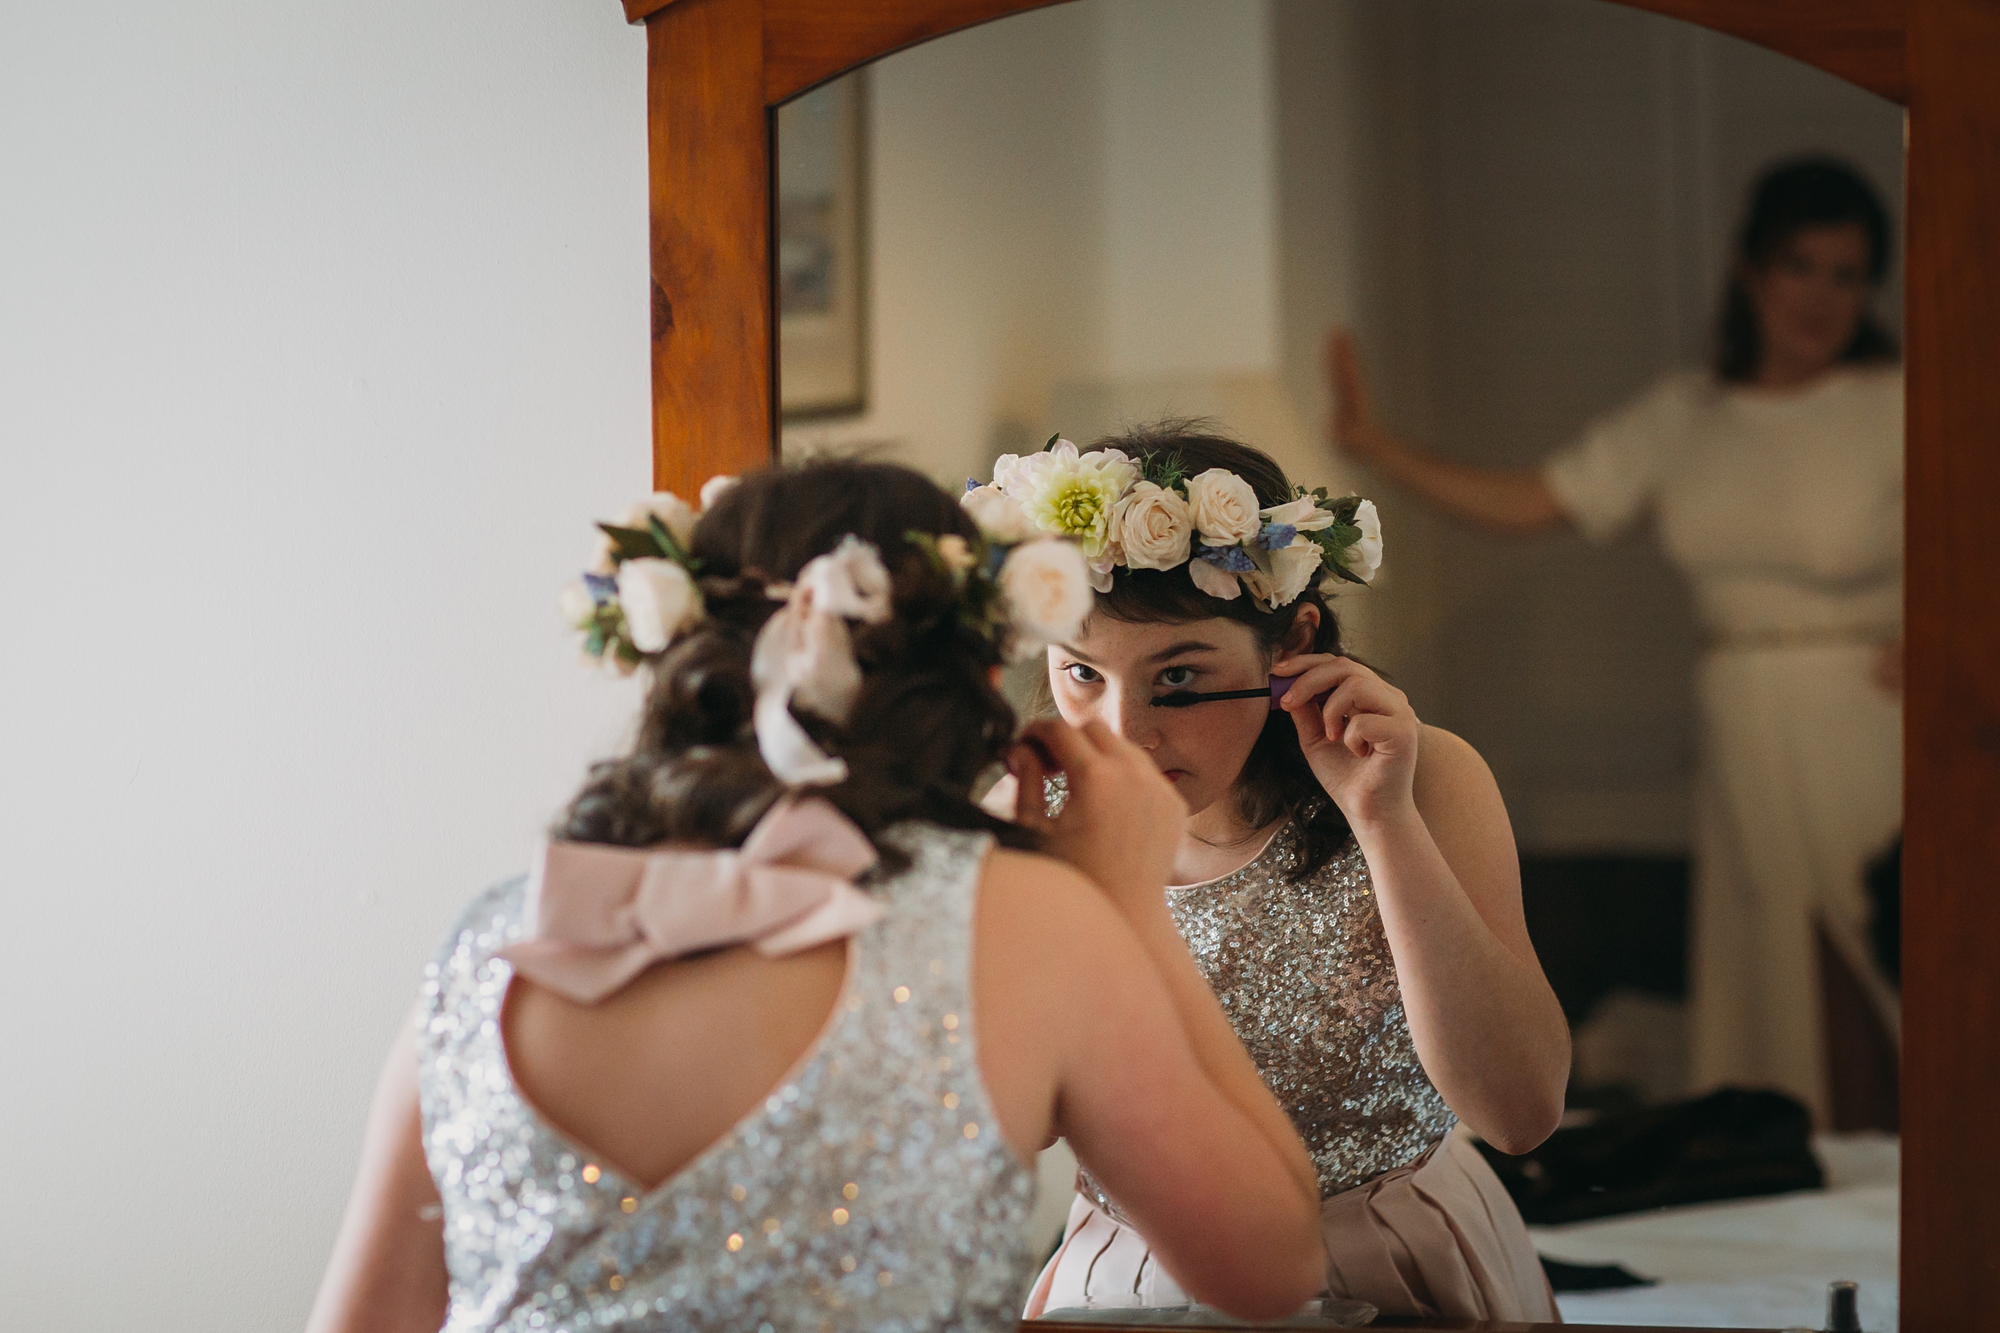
(1114, 670)
(1810, 297)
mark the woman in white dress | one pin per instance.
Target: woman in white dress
(1775, 483)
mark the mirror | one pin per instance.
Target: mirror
(1106, 212)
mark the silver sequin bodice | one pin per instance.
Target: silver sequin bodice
(1304, 973)
(871, 1190)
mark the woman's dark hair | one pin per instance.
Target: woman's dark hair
(1276, 779)
(694, 773)
(1788, 198)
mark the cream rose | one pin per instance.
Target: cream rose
(670, 509)
(1225, 508)
(1153, 527)
(712, 489)
(659, 600)
(998, 515)
(850, 580)
(1047, 587)
(1292, 570)
(1364, 558)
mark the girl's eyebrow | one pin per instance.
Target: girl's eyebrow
(1187, 646)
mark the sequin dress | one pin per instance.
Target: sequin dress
(871, 1190)
(1413, 1219)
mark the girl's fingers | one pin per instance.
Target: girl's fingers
(1063, 747)
(1303, 662)
(1314, 683)
(1365, 733)
(1031, 794)
(1358, 694)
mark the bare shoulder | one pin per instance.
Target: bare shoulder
(1048, 894)
(1460, 804)
(1450, 772)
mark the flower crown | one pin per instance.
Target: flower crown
(641, 593)
(1149, 514)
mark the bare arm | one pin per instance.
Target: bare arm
(1104, 771)
(1079, 1034)
(1429, 819)
(1508, 501)
(387, 1273)
(1485, 1022)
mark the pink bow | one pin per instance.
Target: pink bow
(598, 916)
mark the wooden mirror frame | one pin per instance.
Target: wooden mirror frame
(716, 68)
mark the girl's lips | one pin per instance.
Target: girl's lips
(1174, 774)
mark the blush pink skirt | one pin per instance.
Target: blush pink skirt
(1436, 1238)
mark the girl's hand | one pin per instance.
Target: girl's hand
(1123, 820)
(1361, 742)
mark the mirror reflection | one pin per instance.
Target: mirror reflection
(1600, 310)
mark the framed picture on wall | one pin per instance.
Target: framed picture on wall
(821, 259)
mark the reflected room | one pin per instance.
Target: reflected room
(1542, 279)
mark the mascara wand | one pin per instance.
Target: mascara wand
(1189, 698)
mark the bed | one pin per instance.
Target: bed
(1751, 1263)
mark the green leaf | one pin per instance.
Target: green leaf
(1168, 471)
(593, 642)
(632, 543)
(1052, 442)
(1343, 509)
(664, 538)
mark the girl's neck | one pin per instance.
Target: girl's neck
(1216, 842)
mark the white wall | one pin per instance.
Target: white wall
(324, 335)
(1073, 219)
(985, 217)
(1190, 175)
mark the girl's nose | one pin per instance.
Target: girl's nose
(1131, 714)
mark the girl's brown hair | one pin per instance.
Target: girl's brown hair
(1276, 779)
(928, 720)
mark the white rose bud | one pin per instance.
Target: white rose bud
(956, 553)
(998, 515)
(850, 580)
(578, 607)
(1225, 508)
(1303, 513)
(659, 600)
(1293, 568)
(712, 489)
(1153, 527)
(1047, 587)
(670, 509)
(1364, 558)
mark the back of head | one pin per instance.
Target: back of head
(1788, 198)
(694, 773)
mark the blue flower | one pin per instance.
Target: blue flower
(1276, 536)
(972, 483)
(1232, 559)
(602, 587)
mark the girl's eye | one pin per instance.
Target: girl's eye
(1081, 674)
(1177, 678)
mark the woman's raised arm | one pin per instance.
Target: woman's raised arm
(1509, 501)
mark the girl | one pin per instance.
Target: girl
(1345, 877)
(771, 1034)
(1776, 483)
